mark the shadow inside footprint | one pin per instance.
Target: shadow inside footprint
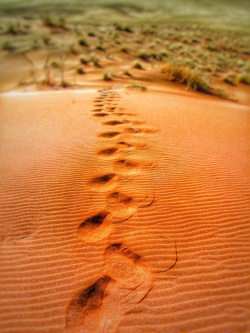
(124, 144)
(95, 227)
(109, 135)
(103, 183)
(102, 179)
(107, 153)
(86, 301)
(99, 114)
(115, 122)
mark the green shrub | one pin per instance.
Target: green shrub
(137, 65)
(80, 70)
(138, 86)
(106, 77)
(83, 42)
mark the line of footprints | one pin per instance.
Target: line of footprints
(126, 279)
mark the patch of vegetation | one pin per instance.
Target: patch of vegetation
(64, 84)
(191, 78)
(143, 55)
(137, 65)
(95, 59)
(127, 72)
(106, 77)
(8, 46)
(54, 64)
(83, 60)
(137, 86)
(100, 48)
(80, 70)
(244, 78)
(230, 78)
(124, 28)
(83, 42)
(125, 49)
(52, 23)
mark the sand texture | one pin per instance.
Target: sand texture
(124, 211)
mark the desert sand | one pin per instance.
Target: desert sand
(124, 211)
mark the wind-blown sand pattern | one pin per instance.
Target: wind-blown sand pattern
(124, 211)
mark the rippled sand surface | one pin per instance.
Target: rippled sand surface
(124, 211)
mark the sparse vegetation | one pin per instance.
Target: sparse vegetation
(124, 28)
(137, 86)
(143, 55)
(127, 72)
(244, 78)
(191, 78)
(95, 59)
(83, 60)
(220, 55)
(106, 77)
(80, 70)
(230, 78)
(83, 42)
(137, 65)
(100, 48)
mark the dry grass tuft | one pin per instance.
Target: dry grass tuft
(193, 79)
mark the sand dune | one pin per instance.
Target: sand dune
(124, 211)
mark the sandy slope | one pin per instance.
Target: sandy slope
(124, 211)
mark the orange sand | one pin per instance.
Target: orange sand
(124, 211)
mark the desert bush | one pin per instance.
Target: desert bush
(230, 78)
(84, 61)
(80, 70)
(83, 42)
(137, 86)
(137, 65)
(143, 55)
(191, 78)
(127, 72)
(244, 78)
(8, 46)
(106, 77)
(95, 59)
(125, 28)
(125, 49)
(100, 48)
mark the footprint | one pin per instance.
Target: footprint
(97, 110)
(85, 302)
(118, 197)
(126, 167)
(132, 130)
(96, 227)
(103, 183)
(111, 109)
(108, 153)
(132, 144)
(131, 283)
(136, 130)
(121, 206)
(100, 114)
(108, 135)
(115, 122)
(125, 114)
(125, 282)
